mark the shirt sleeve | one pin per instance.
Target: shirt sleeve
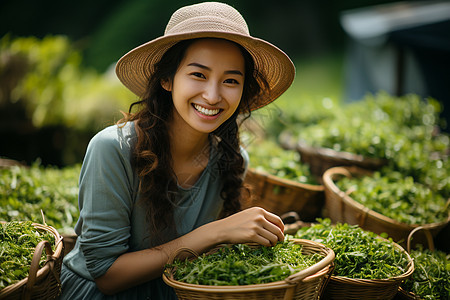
(106, 201)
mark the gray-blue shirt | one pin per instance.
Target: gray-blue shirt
(112, 219)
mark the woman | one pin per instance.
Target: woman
(170, 173)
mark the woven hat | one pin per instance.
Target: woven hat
(208, 20)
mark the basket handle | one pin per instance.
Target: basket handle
(427, 235)
(297, 277)
(35, 266)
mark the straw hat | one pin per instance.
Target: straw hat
(203, 20)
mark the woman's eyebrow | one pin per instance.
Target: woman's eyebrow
(194, 64)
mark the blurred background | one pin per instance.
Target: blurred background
(58, 87)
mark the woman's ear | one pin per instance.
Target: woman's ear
(166, 84)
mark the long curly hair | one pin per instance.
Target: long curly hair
(153, 161)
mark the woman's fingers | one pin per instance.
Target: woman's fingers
(276, 220)
(254, 225)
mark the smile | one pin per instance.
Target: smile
(205, 111)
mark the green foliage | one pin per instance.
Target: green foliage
(55, 89)
(24, 192)
(18, 242)
(242, 265)
(378, 126)
(359, 253)
(268, 156)
(398, 197)
(403, 130)
(431, 277)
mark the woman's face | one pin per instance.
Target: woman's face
(207, 87)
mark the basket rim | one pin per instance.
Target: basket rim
(283, 181)
(408, 294)
(42, 272)
(343, 155)
(345, 170)
(282, 284)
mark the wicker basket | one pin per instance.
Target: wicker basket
(321, 159)
(279, 195)
(340, 207)
(41, 283)
(8, 163)
(70, 240)
(306, 284)
(345, 288)
(403, 294)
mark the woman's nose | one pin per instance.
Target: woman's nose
(212, 93)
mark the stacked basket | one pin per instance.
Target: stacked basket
(306, 284)
(344, 288)
(41, 283)
(322, 159)
(279, 195)
(342, 208)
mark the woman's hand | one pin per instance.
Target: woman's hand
(254, 224)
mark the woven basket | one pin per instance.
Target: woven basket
(41, 283)
(340, 207)
(345, 288)
(279, 195)
(321, 159)
(306, 284)
(8, 163)
(69, 241)
(403, 294)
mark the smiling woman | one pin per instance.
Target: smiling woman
(207, 87)
(170, 174)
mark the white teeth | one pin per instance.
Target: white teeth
(205, 111)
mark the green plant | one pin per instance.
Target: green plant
(18, 242)
(24, 192)
(242, 265)
(431, 277)
(359, 253)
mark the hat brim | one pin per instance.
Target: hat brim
(135, 68)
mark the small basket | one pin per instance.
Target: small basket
(340, 207)
(70, 240)
(321, 159)
(279, 195)
(403, 294)
(345, 288)
(8, 163)
(41, 283)
(306, 284)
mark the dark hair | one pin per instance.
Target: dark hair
(153, 162)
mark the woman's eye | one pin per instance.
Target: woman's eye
(198, 74)
(232, 81)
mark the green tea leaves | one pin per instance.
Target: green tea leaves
(243, 265)
(18, 242)
(359, 253)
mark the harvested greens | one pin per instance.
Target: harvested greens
(431, 277)
(359, 253)
(398, 197)
(243, 265)
(18, 242)
(269, 157)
